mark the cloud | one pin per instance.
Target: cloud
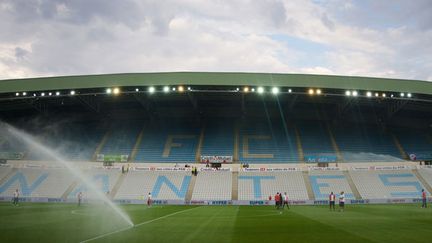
(60, 37)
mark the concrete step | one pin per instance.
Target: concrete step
(117, 185)
(190, 189)
(69, 190)
(422, 180)
(234, 190)
(310, 192)
(352, 185)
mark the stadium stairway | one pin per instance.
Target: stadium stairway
(234, 192)
(137, 144)
(236, 141)
(399, 147)
(308, 185)
(117, 185)
(200, 144)
(190, 189)
(299, 145)
(69, 190)
(101, 144)
(352, 185)
(334, 143)
(422, 180)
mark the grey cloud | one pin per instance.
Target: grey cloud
(327, 22)
(20, 53)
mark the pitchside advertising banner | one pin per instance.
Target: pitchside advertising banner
(400, 167)
(220, 202)
(270, 169)
(162, 169)
(216, 159)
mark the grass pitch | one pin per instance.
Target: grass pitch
(33, 222)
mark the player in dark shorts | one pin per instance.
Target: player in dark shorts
(341, 202)
(332, 199)
(79, 198)
(285, 201)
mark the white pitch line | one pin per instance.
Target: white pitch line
(137, 225)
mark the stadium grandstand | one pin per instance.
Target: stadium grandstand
(250, 135)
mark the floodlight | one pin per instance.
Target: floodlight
(42, 94)
(246, 89)
(166, 89)
(108, 91)
(237, 89)
(49, 93)
(275, 90)
(72, 92)
(392, 95)
(24, 93)
(368, 94)
(348, 93)
(384, 95)
(57, 93)
(34, 94)
(402, 94)
(136, 89)
(16, 94)
(289, 90)
(173, 89)
(318, 91)
(151, 89)
(260, 90)
(409, 95)
(180, 88)
(116, 91)
(354, 93)
(311, 91)
(376, 94)
(189, 88)
(253, 89)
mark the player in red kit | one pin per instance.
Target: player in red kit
(424, 199)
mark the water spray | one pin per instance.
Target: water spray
(31, 141)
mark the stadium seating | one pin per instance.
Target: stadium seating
(387, 184)
(72, 141)
(162, 185)
(122, 138)
(37, 182)
(213, 185)
(259, 141)
(324, 182)
(168, 142)
(218, 138)
(315, 139)
(361, 143)
(415, 142)
(103, 179)
(260, 185)
(266, 142)
(4, 170)
(426, 173)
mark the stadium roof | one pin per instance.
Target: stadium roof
(215, 78)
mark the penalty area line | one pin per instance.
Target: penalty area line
(137, 225)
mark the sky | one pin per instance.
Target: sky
(376, 38)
